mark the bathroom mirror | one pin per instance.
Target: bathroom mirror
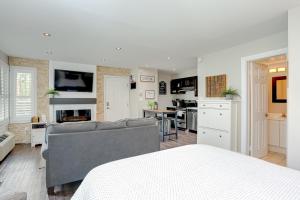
(279, 89)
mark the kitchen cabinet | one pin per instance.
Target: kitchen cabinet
(282, 134)
(180, 86)
(176, 85)
(273, 129)
(218, 123)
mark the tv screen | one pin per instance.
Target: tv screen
(72, 81)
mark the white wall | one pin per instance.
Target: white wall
(4, 62)
(186, 73)
(133, 96)
(228, 61)
(137, 96)
(3, 57)
(73, 67)
(165, 100)
(293, 142)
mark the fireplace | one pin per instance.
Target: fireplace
(73, 115)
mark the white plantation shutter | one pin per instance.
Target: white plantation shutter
(4, 96)
(23, 97)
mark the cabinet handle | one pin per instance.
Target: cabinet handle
(221, 114)
(203, 132)
(220, 136)
(221, 106)
(203, 105)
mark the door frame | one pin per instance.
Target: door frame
(104, 94)
(245, 110)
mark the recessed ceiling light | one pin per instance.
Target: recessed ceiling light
(46, 34)
(169, 58)
(281, 69)
(118, 48)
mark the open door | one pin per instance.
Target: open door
(259, 109)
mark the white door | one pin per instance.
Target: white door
(259, 109)
(116, 98)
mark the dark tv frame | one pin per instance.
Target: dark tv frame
(86, 91)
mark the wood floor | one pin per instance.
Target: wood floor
(276, 158)
(23, 170)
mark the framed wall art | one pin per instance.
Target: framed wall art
(215, 85)
(150, 94)
(147, 78)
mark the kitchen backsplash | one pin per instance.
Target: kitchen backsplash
(189, 95)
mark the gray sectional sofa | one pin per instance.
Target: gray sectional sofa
(71, 150)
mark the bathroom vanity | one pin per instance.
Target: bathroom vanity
(277, 131)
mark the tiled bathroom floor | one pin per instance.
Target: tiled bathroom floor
(276, 158)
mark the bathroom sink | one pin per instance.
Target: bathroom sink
(276, 116)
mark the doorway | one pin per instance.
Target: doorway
(116, 98)
(267, 106)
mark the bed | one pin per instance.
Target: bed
(190, 172)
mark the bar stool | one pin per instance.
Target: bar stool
(167, 126)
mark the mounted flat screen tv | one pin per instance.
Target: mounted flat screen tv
(73, 81)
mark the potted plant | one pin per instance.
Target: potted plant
(151, 104)
(230, 93)
(52, 93)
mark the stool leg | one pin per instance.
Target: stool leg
(176, 130)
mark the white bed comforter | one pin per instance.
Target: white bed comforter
(190, 172)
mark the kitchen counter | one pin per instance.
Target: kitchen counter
(192, 108)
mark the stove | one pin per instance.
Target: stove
(182, 112)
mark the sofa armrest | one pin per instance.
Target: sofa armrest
(44, 151)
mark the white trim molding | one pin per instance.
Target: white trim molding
(245, 145)
(13, 71)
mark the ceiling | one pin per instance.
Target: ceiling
(164, 34)
(275, 60)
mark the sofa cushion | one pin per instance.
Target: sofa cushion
(111, 125)
(141, 122)
(71, 127)
(14, 196)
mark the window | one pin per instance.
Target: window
(4, 96)
(23, 94)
